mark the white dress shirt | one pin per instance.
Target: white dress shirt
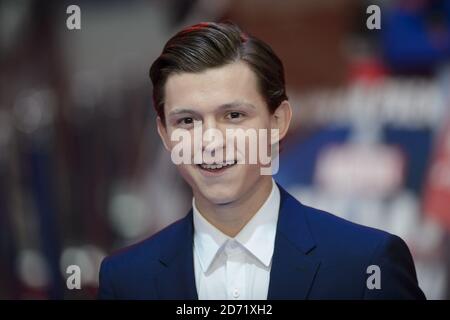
(236, 268)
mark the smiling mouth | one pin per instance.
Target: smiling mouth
(217, 167)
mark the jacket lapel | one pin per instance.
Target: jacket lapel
(293, 269)
(176, 281)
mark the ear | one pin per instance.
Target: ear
(281, 118)
(162, 131)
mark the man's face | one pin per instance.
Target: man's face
(221, 98)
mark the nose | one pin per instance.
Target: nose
(212, 139)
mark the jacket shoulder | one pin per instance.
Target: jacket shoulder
(144, 253)
(329, 228)
(351, 250)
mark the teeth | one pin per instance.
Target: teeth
(217, 165)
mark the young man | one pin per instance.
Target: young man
(245, 237)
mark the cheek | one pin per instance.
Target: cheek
(256, 148)
(247, 177)
(181, 139)
(187, 172)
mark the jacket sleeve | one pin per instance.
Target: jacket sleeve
(398, 279)
(105, 290)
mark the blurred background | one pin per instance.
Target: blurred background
(82, 170)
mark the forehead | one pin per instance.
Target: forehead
(212, 87)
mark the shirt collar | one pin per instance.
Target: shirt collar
(257, 236)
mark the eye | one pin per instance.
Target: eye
(185, 121)
(234, 115)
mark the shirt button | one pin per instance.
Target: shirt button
(236, 293)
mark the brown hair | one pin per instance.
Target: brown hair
(209, 45)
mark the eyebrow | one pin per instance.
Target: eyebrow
(181, 111)
(225, 106)
(236, 104)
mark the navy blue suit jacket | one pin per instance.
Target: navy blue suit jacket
(317, 256)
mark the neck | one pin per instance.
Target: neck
(231, 217)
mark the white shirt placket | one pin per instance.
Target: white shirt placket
(235, 269)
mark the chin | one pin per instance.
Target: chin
(219, 195)
(224, 189)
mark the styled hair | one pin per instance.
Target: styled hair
(209, 45)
